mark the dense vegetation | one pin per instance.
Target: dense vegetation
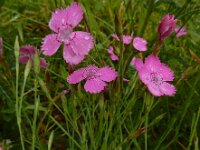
(39, 109)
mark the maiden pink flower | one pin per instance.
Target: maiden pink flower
(127, 39)
(113, 56)
(166, 26)
(96, 77)
(180, 31)
(140, 44)
(27, 52)
(76, 44)
(155, 75)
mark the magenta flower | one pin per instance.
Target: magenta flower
(155, 75)
(166, 26)
(96, 77)
(140, 44)
(113, 56)
(127, 39)
(76, 44)
(180, 31)
(27, 52)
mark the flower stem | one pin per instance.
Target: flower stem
(158, 46)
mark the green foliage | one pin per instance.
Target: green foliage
(36, 112)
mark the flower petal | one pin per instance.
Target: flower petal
(50, 45)
(76, 76)
(23, 59)
(115, 37)
(144, 76)
(70, 57)
(74, 14)
(94, 85)
(167, 89)
(138, 64)
(43, 63)
(127, 39)
(113, 56)
(166, 73)
(107, 74)
(180, 31)
(133, 62)
(140, 44)
(153, 63)
(58, 19)
(27, 50)
(80, 42)
(154, 90)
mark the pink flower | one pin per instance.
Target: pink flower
(140, 44)
(115, 37)
(96, 77)
(27, 52)
(127, 39)
(76, 44)
(155, 75)
(113, 56)
(180, 31)
(132, 63)
(166, 26)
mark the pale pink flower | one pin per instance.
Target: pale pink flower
(166, 26)
(113, 56)
(76, 44)
(127, 39)
(180, 31)
(27, 52)
(96, 77)
(140, 44)
(115, 37)
(132, 63)
(155, 75)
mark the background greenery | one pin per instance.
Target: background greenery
(36, 114)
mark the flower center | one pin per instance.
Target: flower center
(63, 33)
(90, 73)
(156, 78)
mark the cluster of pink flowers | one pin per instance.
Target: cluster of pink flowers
(154, 74)
(77, 44)
(138, 43)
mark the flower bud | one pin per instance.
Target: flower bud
(166, 26)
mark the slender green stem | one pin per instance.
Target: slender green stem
(18, 100)
(146, 134)
(35, 115)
